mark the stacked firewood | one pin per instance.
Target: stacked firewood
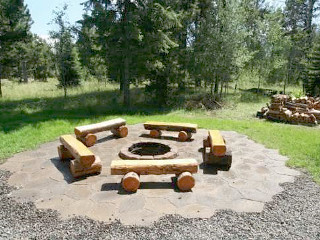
(305, 110)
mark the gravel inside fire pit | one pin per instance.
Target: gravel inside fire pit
(293, 214)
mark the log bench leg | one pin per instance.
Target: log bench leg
(185, 181)
(155, 133)
(120, 131)
(88, 140)
(184, 136)
(130, 182)
(64, 153)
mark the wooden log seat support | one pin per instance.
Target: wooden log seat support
(185, 129)
(218, 154)
(225, 160)
(216, 143)
(84, 161)
(86, 134)
(132, 169)
(78, 170)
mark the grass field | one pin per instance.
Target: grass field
(35, 113)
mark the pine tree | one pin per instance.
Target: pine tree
(313, 86)
(66, 58)
(15, 22)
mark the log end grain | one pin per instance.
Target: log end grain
(183, 136)
(185, 181)
(155, 133)
(131, 182)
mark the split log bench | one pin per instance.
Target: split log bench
(132, 169)
(219, 154)
(185, 129)
(83, 161)
(86, 134)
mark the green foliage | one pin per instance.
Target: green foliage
(15, 22)
(313, 85)
(65, 52)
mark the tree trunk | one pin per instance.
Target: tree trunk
(24, 72)
(259, 82)
(126, 83)
(0, 80)
(216, 86)
(65, 91)
(126, 77)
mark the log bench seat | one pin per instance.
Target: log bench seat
(185, 129)
(218, 154)
(86, 134)
(132, 169)
(83, 161)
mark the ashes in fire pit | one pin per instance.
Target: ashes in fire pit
(148, 150)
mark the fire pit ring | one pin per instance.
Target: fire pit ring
(148, 150)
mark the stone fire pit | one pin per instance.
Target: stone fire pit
(148, 150)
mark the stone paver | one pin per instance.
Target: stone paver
(252, 181)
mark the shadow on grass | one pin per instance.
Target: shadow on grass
(19, 113)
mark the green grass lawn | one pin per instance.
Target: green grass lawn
(41, 114)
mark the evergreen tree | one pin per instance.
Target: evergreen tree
(66, 58)
(313, 86)
(15, 22)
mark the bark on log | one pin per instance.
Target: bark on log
(78, 170)
(154, 167)
(99, 127)
(131, 182)
(187, 127)
(121, 131)
(217, 143)
(78, 150)
(185, 181)
(64, 153)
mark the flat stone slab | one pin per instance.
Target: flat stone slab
(252, 180)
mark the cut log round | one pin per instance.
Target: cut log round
(155, 133)
(131, 182)
(120, 131)
(64, 153)
(88, 140)
(183, 136)
(185, 181)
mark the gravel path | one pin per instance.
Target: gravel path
(293, 214)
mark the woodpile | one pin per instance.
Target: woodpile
(303, 110)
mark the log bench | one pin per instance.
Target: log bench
(132, 169)
(86, 134)
(218, 154)
(185, 129)
(83, 161)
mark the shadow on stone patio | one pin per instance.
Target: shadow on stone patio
(169, 138)
(63, 167)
